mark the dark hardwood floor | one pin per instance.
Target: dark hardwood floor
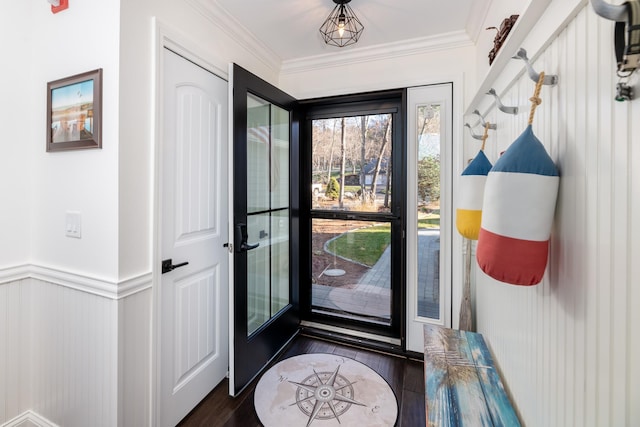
(405, 376)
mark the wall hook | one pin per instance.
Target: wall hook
(548, 79)
(492, 126)
(473, 135)
(501, 106)
(609, 11)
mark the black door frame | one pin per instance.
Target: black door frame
(358, 104)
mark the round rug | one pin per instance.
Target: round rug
(323, 390)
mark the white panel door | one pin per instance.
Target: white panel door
(194, 296)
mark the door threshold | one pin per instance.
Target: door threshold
(369, 341)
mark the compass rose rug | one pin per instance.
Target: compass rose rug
(324, 390)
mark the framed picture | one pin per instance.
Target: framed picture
(74, 112)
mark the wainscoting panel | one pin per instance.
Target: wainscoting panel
(14, 344)
(134, 353)
(567, 346)
(74, 356)
(62, 361)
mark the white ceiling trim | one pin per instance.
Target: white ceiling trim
(416, 46)
(220, 17)
(474, 24)
(230, 25)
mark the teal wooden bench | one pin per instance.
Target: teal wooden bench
(463, 386)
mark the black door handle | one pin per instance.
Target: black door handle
(167, 265)
(241, 239)
(247, 247)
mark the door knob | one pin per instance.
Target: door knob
(167, 265)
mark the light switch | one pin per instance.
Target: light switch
(73, 224)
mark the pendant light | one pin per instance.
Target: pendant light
(342, 27)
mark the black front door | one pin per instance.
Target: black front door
(265, 208)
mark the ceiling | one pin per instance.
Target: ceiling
(289, 29)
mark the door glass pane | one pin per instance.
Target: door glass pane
(258, 272)
(279, 260)
(268, 137)
(279, 158)
(351, 269)
(258, 140)
(356, 151)
(428, 122)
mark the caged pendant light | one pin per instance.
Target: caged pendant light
(342, 27)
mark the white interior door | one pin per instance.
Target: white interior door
(194, 216)
(429, 209)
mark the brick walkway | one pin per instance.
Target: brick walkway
(371, 297)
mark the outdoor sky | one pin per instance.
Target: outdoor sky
(73, 94)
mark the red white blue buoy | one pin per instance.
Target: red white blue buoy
(517, 214)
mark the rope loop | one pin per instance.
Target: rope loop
(535, 99)
(486, 134)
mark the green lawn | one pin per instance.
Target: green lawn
(364, 245)
(430, 221)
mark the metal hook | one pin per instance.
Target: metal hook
(549, 79)
(624, 92)
(473, 135)
(492, 126)
(501, 106)
(609, 11)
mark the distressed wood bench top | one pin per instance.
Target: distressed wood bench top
(463, 386)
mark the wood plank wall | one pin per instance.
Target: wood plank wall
(568, 347)
(59, 354)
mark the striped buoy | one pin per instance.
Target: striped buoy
(472, 182)
(519, 203)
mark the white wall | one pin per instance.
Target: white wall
(82, 38)
(58, 354)
(568, 347)
(377, 72)
(18, 131)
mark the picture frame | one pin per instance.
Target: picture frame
(74, 112)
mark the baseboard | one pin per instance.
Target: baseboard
(29, 419)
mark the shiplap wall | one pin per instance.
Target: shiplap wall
(60, 358)
(14, 349)
(569, 347)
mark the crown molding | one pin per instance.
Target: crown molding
(80, 282)
(221, 18)
(474, 25)
(417, 46)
